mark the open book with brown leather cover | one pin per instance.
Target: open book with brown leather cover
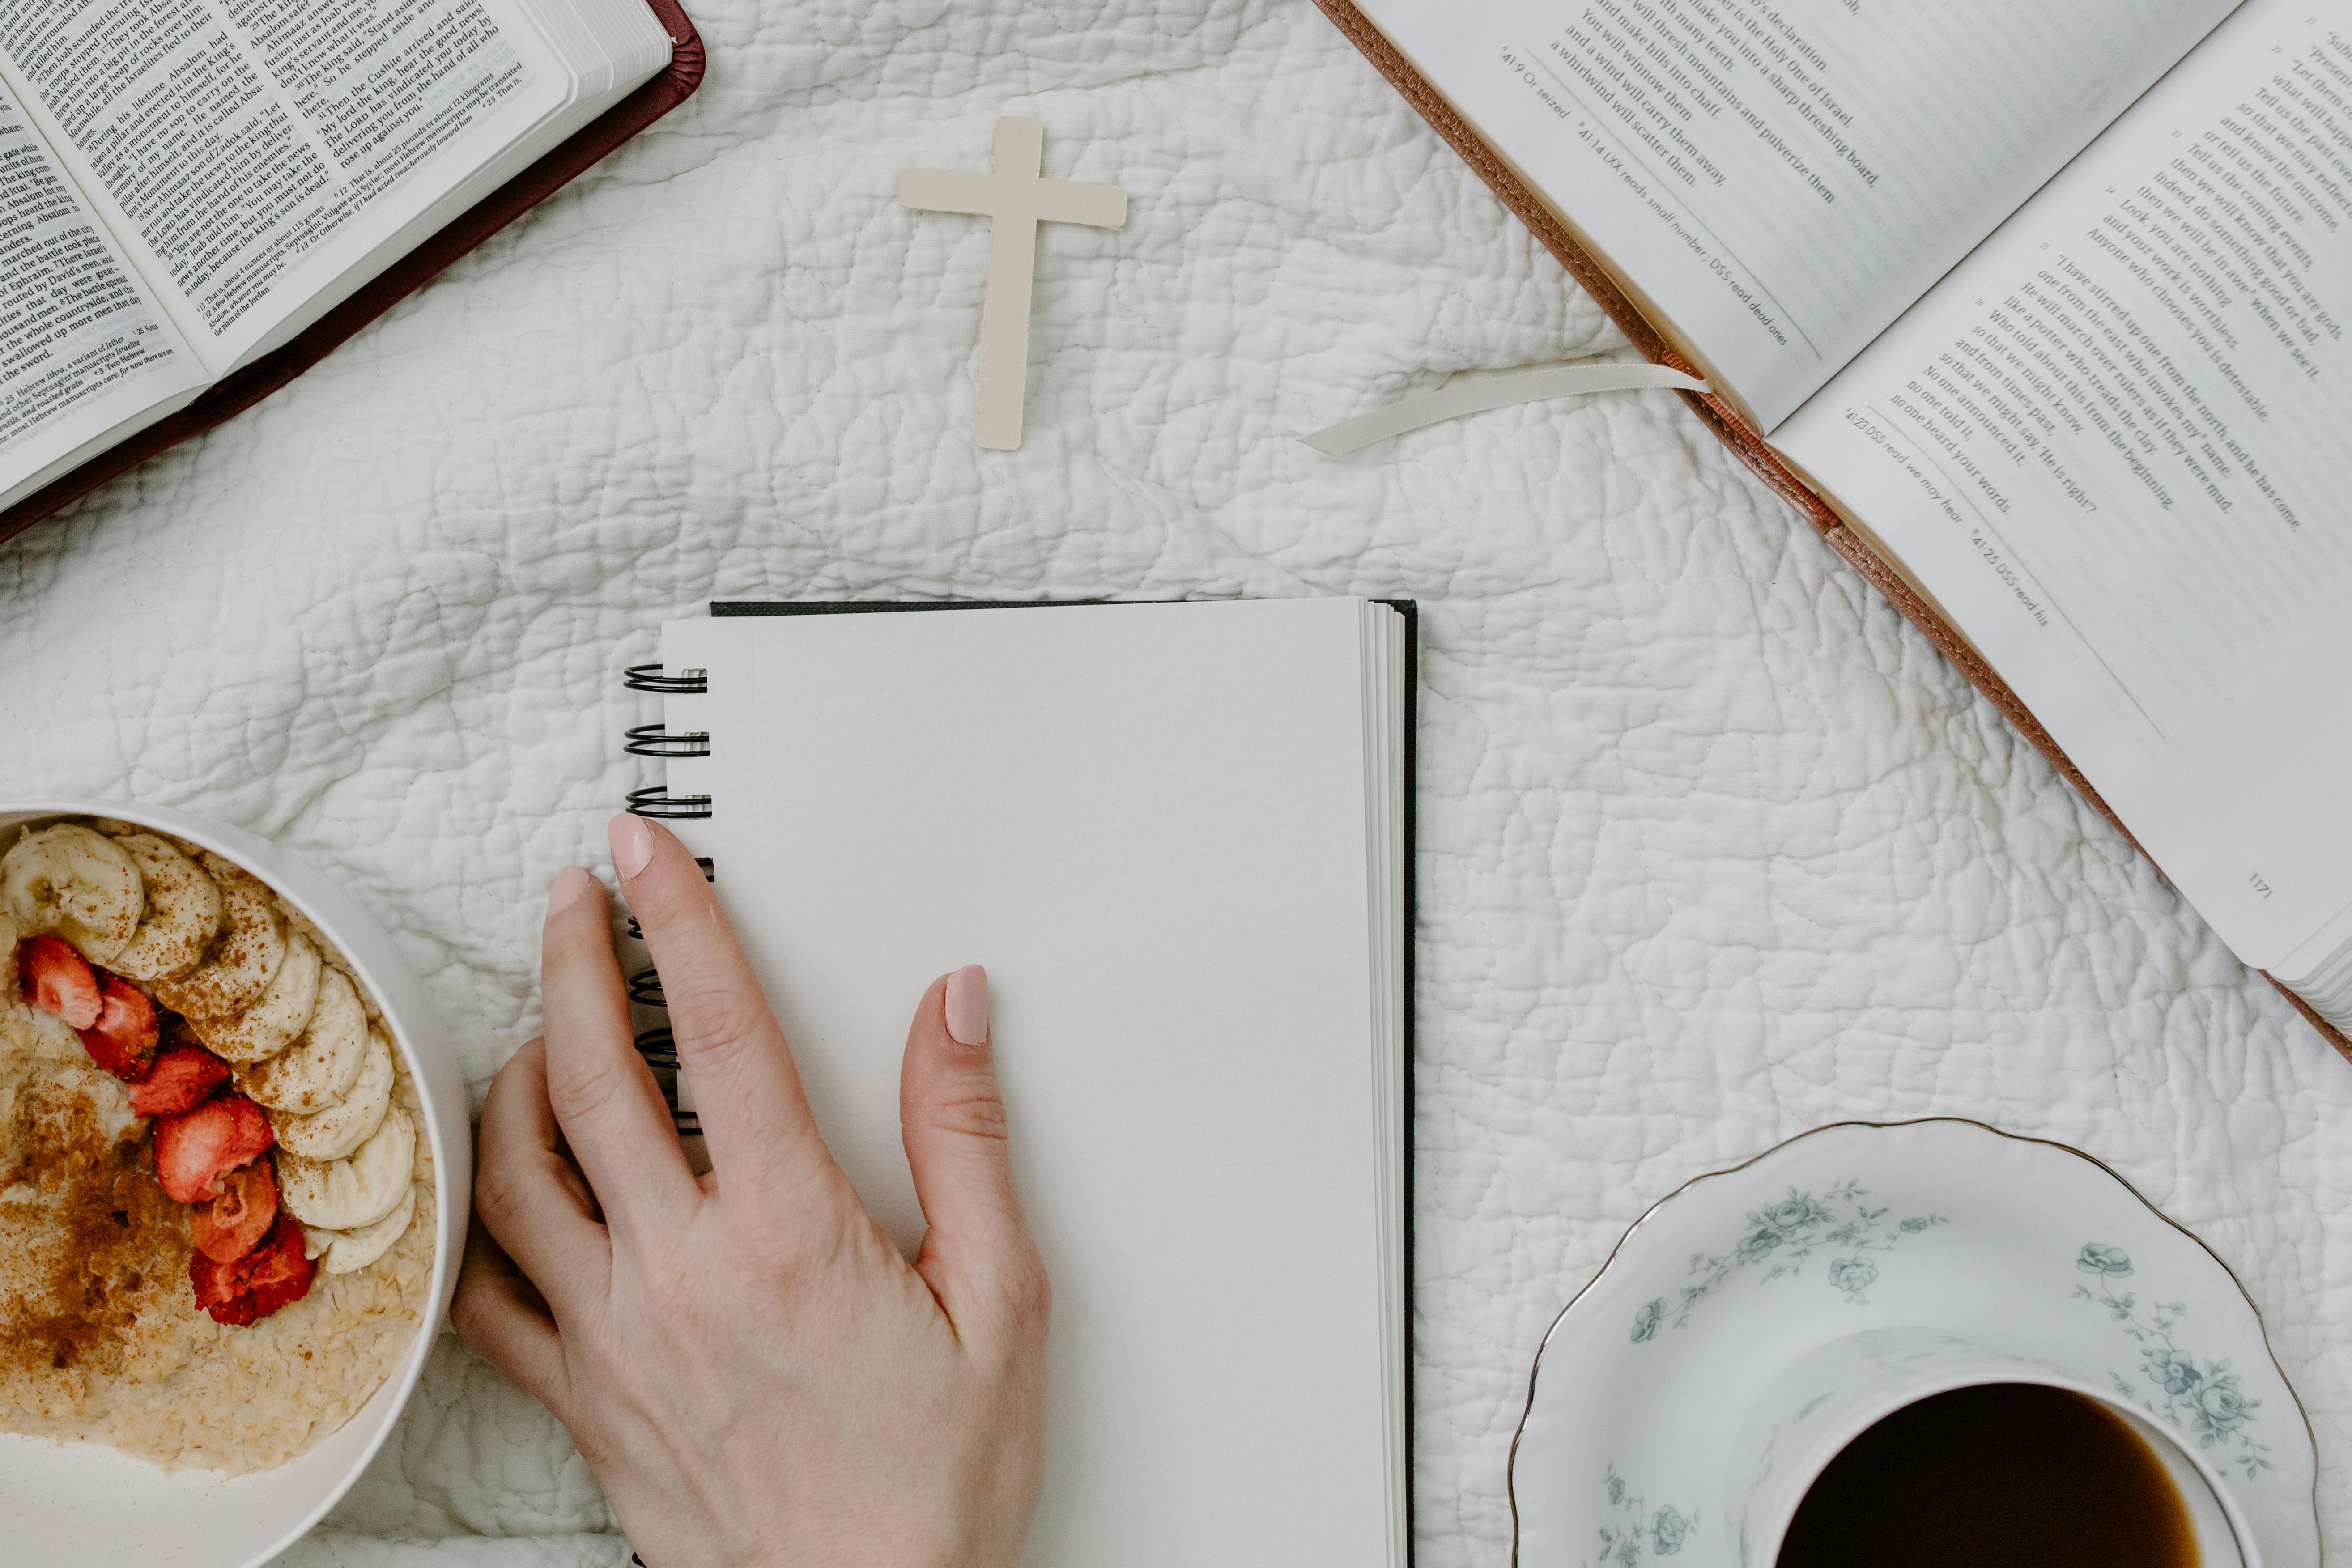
(2037, 314)
(200, 200)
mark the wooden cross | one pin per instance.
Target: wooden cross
(1016, 197)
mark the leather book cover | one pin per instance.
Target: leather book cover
(1727, 421)
(244, 388)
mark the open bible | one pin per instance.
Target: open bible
(2038, 313)
(188, 187)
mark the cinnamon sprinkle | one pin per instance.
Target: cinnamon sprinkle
(100, 1246)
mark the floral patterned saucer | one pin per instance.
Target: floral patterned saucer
(2021, 1245)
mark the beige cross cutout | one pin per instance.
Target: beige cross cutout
(1016, 197)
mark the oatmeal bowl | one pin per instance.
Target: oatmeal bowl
(234, 1169)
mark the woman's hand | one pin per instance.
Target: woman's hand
(751, 1370)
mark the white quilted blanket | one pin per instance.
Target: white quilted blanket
(1715, 849)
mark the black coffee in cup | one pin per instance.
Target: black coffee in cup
(2002, 1474)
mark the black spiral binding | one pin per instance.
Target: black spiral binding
(655, 801)
(650, 678)
(659, 1047)
(656, 741)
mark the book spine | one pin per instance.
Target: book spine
(659, 1046)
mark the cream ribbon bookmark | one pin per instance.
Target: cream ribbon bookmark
(1478, 394)
(1016, 197)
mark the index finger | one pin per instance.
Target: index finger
(603, 1094)
(747, 1092)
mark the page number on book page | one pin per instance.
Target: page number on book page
(2255, 880)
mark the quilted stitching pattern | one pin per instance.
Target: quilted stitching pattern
(1715, 849)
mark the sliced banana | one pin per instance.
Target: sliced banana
(333, 1134)
(346, 1195)
(243, 959)
(278, 1019)
(348, 1251)
(79, 884)
(319, 1069)
(183, 913)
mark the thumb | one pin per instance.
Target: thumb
(976, 1254)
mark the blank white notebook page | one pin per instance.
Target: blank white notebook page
(1151, 823)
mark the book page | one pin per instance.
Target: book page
(84, 353)
(1782, 178)
(2111, 446)
(247, 153)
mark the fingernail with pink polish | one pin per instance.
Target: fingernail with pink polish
(632, 845)
(968, 1006)
(571, 885)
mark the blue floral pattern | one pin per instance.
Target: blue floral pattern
(1635, 1528)
(2095, 1258)
(2203, 1398)
(1782, 1238)
(1645, 1322)
(1853, 1274)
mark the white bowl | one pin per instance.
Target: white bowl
(88, 1505)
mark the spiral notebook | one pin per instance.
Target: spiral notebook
(1179, 836)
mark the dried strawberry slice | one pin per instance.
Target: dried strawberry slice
(273, 1275)
(122, 1041)
(196, 1147)
(60, 980)
(180, 1079)
(227, 1227)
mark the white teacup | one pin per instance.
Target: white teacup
(1825, 1400)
